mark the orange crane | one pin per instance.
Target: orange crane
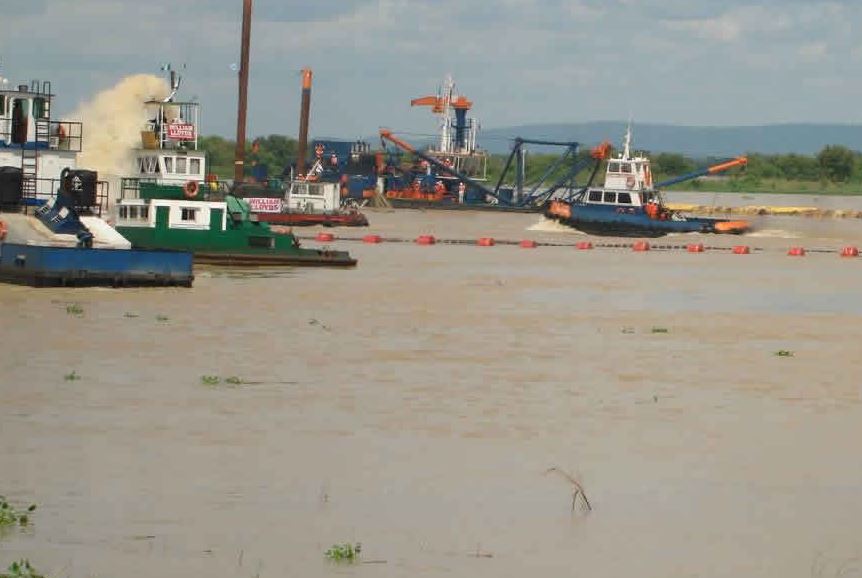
(443, 104)
(438, 103)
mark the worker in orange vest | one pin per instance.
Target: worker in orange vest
(651, 209)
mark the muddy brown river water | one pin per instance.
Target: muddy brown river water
(415, 403)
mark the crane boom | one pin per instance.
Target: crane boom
(710, 170)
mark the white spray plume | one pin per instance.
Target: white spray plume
(113, 121)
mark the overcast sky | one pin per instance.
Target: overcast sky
(695, 62)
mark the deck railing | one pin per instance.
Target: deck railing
(46, 189)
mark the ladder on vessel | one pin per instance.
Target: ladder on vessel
(30, 158)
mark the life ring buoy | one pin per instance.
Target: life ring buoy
(190, 189)
(630, 181)
(3, 230)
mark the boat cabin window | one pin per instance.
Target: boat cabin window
(313, 191)
(149, 165)
(194, 166)
(610, 197)
(613, 167)
(181, 166)
(625, 168)
(624, 199)
(134, 212)
(595, 196)
(2, 105)
(169, 164)
(40, 110)
(188, 215)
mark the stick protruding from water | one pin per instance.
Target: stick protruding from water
(577, 488)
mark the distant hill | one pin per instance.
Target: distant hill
(692, 141)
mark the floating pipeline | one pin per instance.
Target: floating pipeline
(637, 246)
(751, 210)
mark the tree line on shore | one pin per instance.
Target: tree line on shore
(834, 166)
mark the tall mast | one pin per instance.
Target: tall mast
(627, 143)
(304, 112)
(242, 104)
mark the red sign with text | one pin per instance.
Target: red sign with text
(264, 204)
(181, 131)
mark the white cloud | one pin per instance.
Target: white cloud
(813, 51)
(735, 23)
(519, 60)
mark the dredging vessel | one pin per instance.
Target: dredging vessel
(51, 230)
(630, 204)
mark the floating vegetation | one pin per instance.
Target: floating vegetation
(162, 318)
(323, 326)
(128, 315)
(20, 569)
(577, 489)
(11, 516)
(784, 353)
(344, 552)
(631, 330)
(73, 376)
(74, 309)
(231, 380)
(235, 381)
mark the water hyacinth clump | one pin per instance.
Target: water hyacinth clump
(344, 552)
(214, 380)
(10, 516)
(74, 309)
(20, 569)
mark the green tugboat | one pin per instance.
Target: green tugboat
(171, 203)
(217, 227)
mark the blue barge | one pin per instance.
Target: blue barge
(44, 266)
